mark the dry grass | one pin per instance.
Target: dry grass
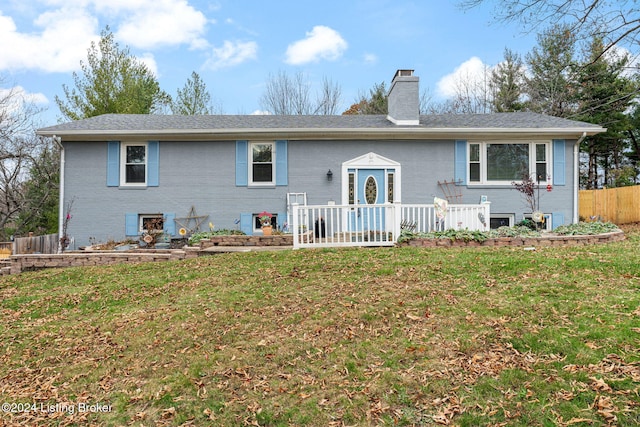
(402, 336)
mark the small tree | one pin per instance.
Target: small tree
(193, 98)
(530, 190)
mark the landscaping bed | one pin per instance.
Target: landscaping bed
(582, 233)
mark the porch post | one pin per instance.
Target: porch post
(296, 226)
(397, 219)
(487, 215)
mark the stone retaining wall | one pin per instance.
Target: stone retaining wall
(277, 240)
(20, 263)
(551, 240)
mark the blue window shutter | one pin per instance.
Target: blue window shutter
(460, 162)
(153, 163)
(557, 219)
(281, 163)
(559, 169)
(169, 224)
(242, 163)
(246, 223)
(131, 224)
(282, 220)
(113, 163)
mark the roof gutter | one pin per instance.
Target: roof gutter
(58, 141)
(393, 133)
(576, 177)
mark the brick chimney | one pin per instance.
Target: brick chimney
(404, 99)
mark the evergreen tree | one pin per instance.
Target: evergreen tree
(375, 103)
(634, 142)
(551, 66)
(112, 81)
(604, 96)
(40, 212)
(507, 82)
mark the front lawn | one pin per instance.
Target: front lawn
(386, 336)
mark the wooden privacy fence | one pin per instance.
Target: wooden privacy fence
(618, 205)
(46, 244)
(5, 249)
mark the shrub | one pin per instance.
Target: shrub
(521, 230)
(198, 236)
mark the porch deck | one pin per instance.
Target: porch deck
(378, 225)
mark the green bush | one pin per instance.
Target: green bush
(195, 238)
(581, 228)
(585, 228)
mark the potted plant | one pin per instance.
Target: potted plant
(265, 221)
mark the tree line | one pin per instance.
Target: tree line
(570, 73)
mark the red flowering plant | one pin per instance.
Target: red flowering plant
(265, 218)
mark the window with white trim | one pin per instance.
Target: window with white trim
(150, 223)
(257, 224)
(261, 163)
(501, 220)
(501, 163)
(133, 164)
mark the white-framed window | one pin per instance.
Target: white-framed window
(150, 222)
(262, 163)
(501, 163)
(501, 220)
(257, 224)
(133, 164)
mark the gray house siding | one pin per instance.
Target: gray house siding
(202, 174)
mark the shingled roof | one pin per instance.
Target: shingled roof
(313, 127)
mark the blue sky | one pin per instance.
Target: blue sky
(235, 45)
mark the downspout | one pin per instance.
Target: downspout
(576, 176)
(58, 142)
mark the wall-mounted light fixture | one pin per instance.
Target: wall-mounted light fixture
(329, 176)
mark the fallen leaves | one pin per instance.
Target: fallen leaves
(340, 337)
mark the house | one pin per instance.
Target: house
(123, 171)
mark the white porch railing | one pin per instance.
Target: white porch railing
(377, 225)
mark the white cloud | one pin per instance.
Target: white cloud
(231, 53)
(470, 72)
(62, 33)
(13, 100)
(370, 58)
(63, 42)
(150, 61)
(616, 53)
(151, 23)
(320, 43)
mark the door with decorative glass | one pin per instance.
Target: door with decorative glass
(369, 190)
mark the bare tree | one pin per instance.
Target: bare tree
(472, 93)
(19, 152)
(616, 22)
(286, 95)
(329, 98)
